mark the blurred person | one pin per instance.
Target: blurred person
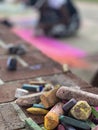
(94, 80)
(31, 2)
(58, 18)
(27, 2)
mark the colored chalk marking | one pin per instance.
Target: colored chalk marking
(52, 48)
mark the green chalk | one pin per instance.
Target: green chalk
(32, 125)
(43, 128)
(94, 112)
(91, 124)
(73, 122)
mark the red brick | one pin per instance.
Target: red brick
(27, 73)
(7, 92)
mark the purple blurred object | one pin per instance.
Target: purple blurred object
(61, 127)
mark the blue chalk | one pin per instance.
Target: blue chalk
(38, 106)
(11, 63)
(34, 88)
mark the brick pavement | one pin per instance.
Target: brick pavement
(12, 116)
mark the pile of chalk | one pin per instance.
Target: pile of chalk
(64, 108)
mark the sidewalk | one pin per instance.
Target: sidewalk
(11, 116)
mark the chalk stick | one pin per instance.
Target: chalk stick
(68, 93)
(37, 82)
(48, 87)
(12, 64)
(39, 106)
(37, 111)
(51, 120)
(81, 110)
(69, 128)
(43, 128)
(91, 124)
(29, 99)
(75, 123)
(67, 106)
(94, 112)
(34, 88)
(65, 67)
(20, 92)
(95, 128)
(49, 99)
(60, 127)
(32, 125)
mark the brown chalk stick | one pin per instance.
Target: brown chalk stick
(68, 93)
(49, 98)
(29, 99)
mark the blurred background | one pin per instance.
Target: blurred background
(81, 49)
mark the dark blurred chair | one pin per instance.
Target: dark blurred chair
(31, 2)
(94, 80)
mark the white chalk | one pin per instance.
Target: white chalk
(20, 92)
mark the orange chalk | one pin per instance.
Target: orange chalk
(51, 120)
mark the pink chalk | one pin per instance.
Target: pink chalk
(59, 51)
(96, 108)
(96, 128)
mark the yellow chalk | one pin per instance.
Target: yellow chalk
(51, 120)
(37, 111)
(81, 110)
